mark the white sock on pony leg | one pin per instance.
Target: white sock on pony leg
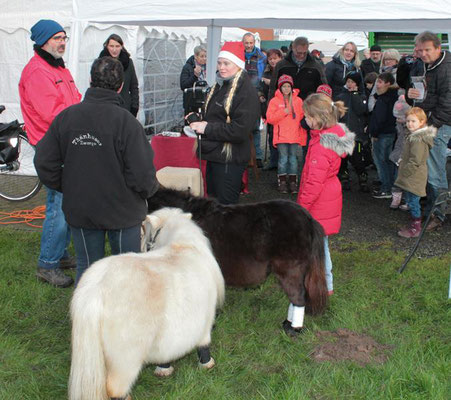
(298, 317)
(290, 312)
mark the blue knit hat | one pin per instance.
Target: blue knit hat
(44, 29)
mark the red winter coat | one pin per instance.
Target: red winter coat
(286, 128)
(44, 92)
(320, 189)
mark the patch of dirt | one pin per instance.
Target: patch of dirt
(344, 344)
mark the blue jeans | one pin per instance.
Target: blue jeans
(437, 179)
(382, 147)
(413, 201)
(55, 236)
(90, 244)
(257, 138)
(288, 160)
(328, 265)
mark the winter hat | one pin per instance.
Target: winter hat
(400, 108)
(285, 79)
(354, 76)
(375, 47)
(44, 29)
(233, 51)
(324, 89)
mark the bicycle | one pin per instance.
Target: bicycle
(18, 177)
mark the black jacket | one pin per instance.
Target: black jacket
(408, 67)
(336, 72)
(369, 65)
(306, 78)
(244, 113)
(130, 90)
(97, 154)
(355, 117)
(382, 121)
(437, 104)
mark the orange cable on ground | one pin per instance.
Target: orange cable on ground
(23, 216)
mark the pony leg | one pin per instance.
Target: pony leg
(121, 398)
(205, 360)
(120, 377)
(163, 370)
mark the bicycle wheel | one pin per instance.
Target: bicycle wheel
(20, 182)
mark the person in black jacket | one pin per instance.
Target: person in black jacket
(114, 47)
(96, 153)
(194, 70)
(307, 73)
(230, 113)
(355, 120)
(372, 64)
(382, 129)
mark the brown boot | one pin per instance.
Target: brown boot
(413, 230)
(282, 188)
(293, 183)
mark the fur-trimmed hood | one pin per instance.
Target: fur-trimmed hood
(342, 144)
(426, 134)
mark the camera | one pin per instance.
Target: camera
(194, 97)
(193, 117)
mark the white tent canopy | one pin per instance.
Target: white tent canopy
(81, 16)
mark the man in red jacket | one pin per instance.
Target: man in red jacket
(46, 88)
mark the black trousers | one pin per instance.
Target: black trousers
(224, 181)
(360, 159)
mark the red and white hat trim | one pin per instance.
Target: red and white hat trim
(233, 51)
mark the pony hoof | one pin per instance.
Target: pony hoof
(208, 365)
(290, 331)
(162, 372)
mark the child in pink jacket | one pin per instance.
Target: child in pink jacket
(285, 113)
(320, 191)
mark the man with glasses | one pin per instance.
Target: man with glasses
(46, 88)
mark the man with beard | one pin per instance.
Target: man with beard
(46, 88)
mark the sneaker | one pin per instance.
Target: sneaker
(382, 195)
(68, 263)
(55, 277)
(434, 223)
(404, 207)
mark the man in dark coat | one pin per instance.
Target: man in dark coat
(437, 106)
(373, 63)
(307, 73)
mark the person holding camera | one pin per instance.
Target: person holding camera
(194, 70)
(229, 115)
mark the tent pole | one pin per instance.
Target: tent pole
(213, 43)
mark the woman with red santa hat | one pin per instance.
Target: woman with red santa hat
(229, 115)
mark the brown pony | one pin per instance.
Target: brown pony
(250, 241)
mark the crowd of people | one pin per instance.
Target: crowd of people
(389, 111)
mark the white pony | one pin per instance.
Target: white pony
(153, 307)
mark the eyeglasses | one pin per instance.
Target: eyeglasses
(60, 38)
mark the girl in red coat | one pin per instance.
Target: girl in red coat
(320, 189)
(285, 113)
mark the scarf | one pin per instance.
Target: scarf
(54, 62)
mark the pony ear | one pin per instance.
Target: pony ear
(154, 221)
(188, 215)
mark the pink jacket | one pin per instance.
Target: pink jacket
(44, 92)
(320, 189)
(286, 128)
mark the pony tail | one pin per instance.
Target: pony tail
(339, 108)
(315, 279)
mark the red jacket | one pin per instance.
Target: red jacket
(320, 189)
(286, 128)
(44, 92)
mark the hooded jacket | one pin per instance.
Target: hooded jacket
(355, 117)
(382, 121)
(320, 190)
(306, 78)
(97, 154)
(286, 128)
(413, 170)
(336, 72)
(46, 88)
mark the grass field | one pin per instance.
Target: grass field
(409, 313)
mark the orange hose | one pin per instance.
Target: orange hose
(23, 216)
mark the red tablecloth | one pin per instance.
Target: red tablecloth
(176, 152)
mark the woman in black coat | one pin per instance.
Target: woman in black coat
(194, 70)
(114, 47)
(345, 61)
(230, 113)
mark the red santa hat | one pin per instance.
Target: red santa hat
(233, 51)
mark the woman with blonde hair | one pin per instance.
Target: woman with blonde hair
(346, 60)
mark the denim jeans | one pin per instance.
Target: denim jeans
(90, 244)
(382, 147)
(328, 265)
(288, 161)
(257, 138)
(55, 236)
(413, 201)
(437, 179)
